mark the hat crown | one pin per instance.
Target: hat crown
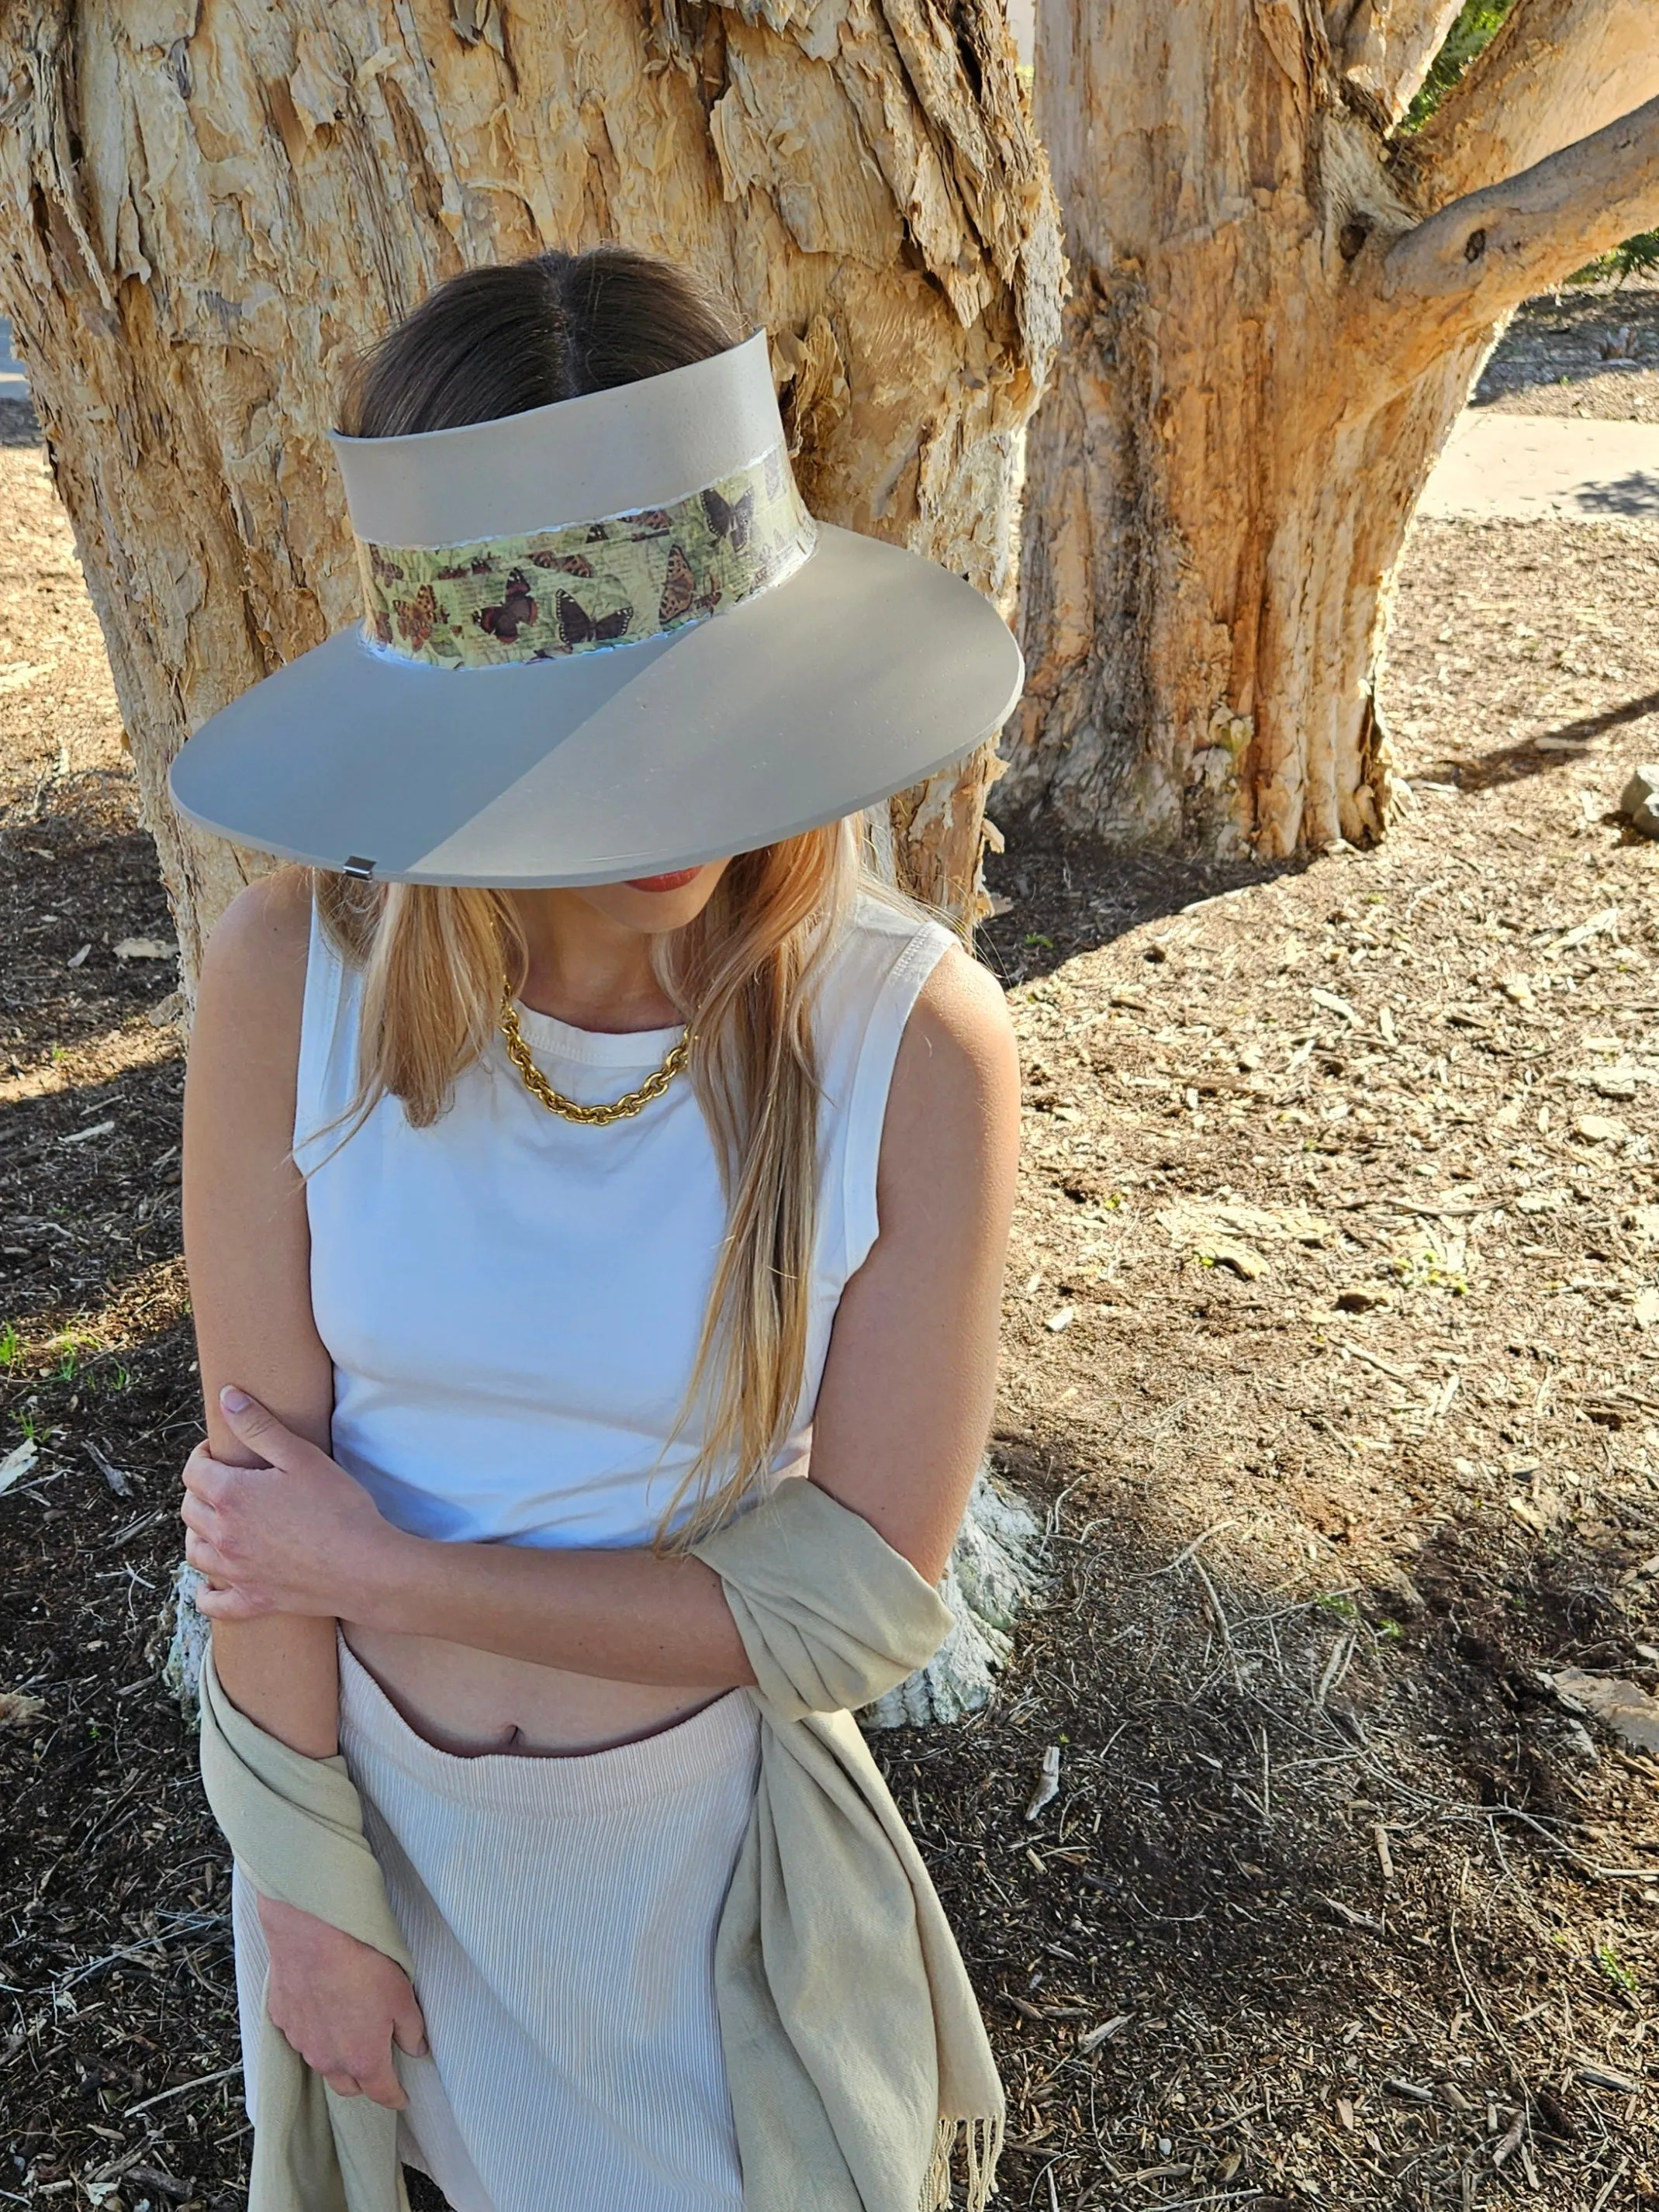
(598, 454)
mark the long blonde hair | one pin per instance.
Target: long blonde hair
(743, 976)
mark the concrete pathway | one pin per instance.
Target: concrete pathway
(1537, 466)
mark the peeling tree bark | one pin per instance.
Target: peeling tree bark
(1383, 48)
(1557, 71)
(205, 211)
(1271, 330)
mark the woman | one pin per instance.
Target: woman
(583, 1152)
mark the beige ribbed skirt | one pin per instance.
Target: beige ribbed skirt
(560, 1913)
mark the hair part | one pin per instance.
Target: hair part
(743, 973)
(501, 340)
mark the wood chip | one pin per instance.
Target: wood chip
(1048, 1787)
(17, 1463)
(80, 1136)
(118, 1481)
(1384, 1856)
(1598, 2076)
(1510, 2141)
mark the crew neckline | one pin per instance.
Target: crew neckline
(546, 1033)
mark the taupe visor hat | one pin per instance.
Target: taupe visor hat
(603, 639)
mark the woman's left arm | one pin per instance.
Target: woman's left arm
(903, 1410)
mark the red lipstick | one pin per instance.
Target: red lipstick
(675, 882)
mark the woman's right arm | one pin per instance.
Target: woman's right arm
(248, 1251)
(247, 1248)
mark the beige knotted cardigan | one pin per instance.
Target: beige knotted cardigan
(853, 2045)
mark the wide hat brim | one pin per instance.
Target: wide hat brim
(867, 670)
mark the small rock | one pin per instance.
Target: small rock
(18, 1709)
(1646, 1307)
(1581, 1741)
(1618, 1705)
(1600, 1128)
(170, 1009)
(1638, 802)
(1248, 1265)
(1362, 1297)
(145, 948)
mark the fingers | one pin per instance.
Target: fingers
(257, 1427)
(195, 1513)
(409, 2029)
(373, 2078)
(378, 2083)
(205, 1475)
(202, 1554)
(227, 1604)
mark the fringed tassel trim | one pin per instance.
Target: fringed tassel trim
(982, 2144)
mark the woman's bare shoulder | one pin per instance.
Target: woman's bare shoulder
(956, 1083)
(251, 993)
(961, 1023)
(259, 942)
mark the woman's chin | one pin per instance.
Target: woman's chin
(657, 903)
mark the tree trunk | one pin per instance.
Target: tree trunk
(1277, 312)
(202, 213)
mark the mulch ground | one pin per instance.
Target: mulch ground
(1330, 1335)
(1588, 350)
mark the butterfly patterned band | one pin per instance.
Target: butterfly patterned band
(589, 584)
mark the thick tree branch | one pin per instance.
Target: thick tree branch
(1464, 268)
(1557, 70)
(1385, 47)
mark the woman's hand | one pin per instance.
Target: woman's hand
(298, 1535)
(341, 2003)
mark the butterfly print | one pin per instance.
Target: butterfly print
(380, 623)
(417, 616)
(573, 564)
(730, 520)
(517, 609)
(385, 572)
(649, 522)
(479, 567)
(680, 589)
(774, 473)
(577, 627)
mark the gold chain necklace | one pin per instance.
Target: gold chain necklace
(571, 1110)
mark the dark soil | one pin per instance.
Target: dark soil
(1329, 1361)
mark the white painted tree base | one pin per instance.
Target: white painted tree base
(181, 1671)
(993, 1569)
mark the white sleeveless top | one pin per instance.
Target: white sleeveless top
(512, 1300)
